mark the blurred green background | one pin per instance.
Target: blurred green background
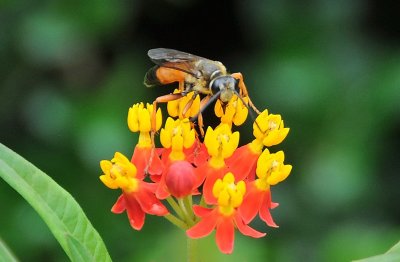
(70, 69)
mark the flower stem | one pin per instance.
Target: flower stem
(176, 221)
(176, 207)
(184, 209)
(202, 202)
(188, 202)
(192, 249)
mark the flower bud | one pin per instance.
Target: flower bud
(180, 179)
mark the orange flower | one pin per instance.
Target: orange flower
(270, 171)
(137, 197)
(220, 143)
(268, 130)
(144, 157)
(224, 217)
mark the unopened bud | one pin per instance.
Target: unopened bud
(180, 179)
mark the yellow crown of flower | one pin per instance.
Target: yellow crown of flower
(119, 173)
(177, 108)
(220, 143)
(271, 170)
(229, 194)
(139, 118)
(234, 111)
(177, 134)
(269, 129)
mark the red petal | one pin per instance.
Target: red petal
(265, 214)
(243, 163)
(119, 206)
(201, 173)
(201, 211)
(225, 235)
(204, 227)
(155, 178)
(141, 157)
(197, 154)
(160, 151)
(251, 203)
(212, 175)
(135, 213)
(152, 187)
(165, 156)
(162, 192)
(246, 230)
(273, 205)
(148, 201)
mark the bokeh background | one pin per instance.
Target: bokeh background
(69, 71)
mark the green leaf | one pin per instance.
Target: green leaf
(57, 207)
(5, 253)
(392, 255)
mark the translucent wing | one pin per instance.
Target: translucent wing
(175, 59)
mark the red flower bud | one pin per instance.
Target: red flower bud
(180, 179)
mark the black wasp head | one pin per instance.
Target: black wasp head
(226, 86)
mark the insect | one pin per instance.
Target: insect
(193, 73)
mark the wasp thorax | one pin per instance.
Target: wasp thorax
(225, 86)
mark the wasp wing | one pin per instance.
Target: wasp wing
(175, 59)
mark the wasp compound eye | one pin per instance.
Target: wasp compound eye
(216, 85)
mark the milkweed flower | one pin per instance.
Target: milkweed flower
(268, 130)
(137, 197)
(139, 120)
(224, 216)
(177, 136)
(220, 143)
(270, 171)
(235, 111)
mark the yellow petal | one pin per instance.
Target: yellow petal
(165, 138)
(133, 122)
(223, 198)
(158, 119)
(189, 139)
(144, 120)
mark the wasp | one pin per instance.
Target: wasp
(193, 73)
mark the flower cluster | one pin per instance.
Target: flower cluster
(231, 182)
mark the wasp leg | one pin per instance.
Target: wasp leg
(243, 91)
(189, 104)
(181, 86)
(200, 124)
(203, 104)
(160, 99)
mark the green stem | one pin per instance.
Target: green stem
(202, 202)
(192, 249)
(188, 219)
(176, 221)
(176, 207)
(189, 207)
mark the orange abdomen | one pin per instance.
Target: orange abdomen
(168, 75)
